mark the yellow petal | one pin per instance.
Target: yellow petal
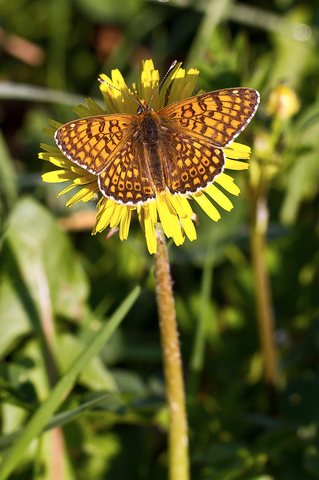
(87, 178)
(85, 194)
(123, 103)
(118, 80)
(148, 82)
(152, 211)
(219, 197)
(67, 189)
(169, 219)
(239, 147)
(81, 171)
(90, 193)
(82, 111)
(51, 149)
(95, 108)
(178, 236)
(164, 215)
(162, 97)
(59, 162)
(181, 208)
(104, 216)
(150, 235)
(115, 219)
(125, 223)
(148, 74)
(186, 205)
(59, 176)
(228, 184)
(148, 217)
(183, 85)
(189, 228)
(235, 165)
(54, 123)
(114, 99)
(50, 131)
(207, 206)
(236, 155)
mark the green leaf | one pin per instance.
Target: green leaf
(46, 259)
(40, 276)
(42, 415)
(62, 418)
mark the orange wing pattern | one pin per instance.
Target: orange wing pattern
(190, 164)
(91, 142)
(218, 117)
(126, 177)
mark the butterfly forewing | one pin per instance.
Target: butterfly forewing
(91, 142)
(217, 116)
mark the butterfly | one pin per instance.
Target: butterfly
(178, 149)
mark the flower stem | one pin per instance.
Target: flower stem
(178, 459)
(264, 306)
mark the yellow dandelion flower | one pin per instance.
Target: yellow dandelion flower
(174, 150)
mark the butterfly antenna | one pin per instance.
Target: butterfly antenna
(124, 93)
(164, 78)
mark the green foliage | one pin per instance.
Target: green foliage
(60, 287)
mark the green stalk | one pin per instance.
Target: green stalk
(178, 457)
(198, 353)
(264, 305)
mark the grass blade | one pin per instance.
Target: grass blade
(63, 387)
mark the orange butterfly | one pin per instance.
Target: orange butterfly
(178, 148)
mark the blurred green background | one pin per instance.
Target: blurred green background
(58, 284)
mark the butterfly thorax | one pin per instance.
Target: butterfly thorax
(149, 125)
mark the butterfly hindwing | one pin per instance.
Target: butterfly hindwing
(190, 164)
(126, 177)
(218, 116)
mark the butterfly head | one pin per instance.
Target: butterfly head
(144, 107)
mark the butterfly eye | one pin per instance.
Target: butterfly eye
(139, 110)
